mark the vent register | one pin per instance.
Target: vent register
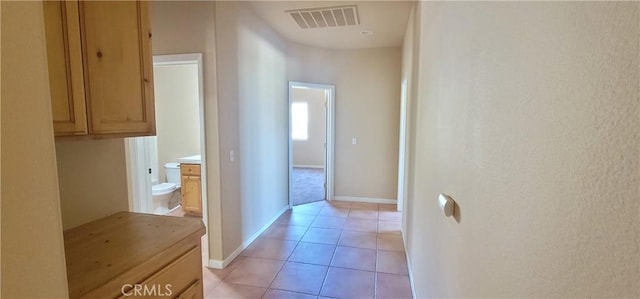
(339, 16)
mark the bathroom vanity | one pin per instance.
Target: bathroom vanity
(191, 182)
(126, 254)
(191, 191)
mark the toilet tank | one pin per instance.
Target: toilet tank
(173, 173)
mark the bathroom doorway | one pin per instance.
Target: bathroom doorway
(156, 185)
(311, 109)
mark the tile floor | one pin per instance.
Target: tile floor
(320, 250)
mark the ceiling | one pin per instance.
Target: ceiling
(386, 19)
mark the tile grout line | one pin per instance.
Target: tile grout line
(289, 256)
(331, 261)
(335, 249)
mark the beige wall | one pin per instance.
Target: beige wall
(177, 113)
(367, 101)
(528, 115)
(93, 179)
(33, 263)
(310, 152)
(253, 122)
(188, 27)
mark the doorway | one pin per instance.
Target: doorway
(153, 161)
(311, 109)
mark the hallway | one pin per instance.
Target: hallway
(320, 250)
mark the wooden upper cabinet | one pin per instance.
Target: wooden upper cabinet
(108, 59)
(64, 53)
(118, 64)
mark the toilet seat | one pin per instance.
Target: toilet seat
(164, 188)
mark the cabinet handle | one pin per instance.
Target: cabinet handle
(99, 54)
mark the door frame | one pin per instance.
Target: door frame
(330, 95)
(138, 180)
(403, 148)
(132, 155)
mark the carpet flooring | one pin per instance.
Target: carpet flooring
(307, 185)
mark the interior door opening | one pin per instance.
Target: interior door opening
(155, 164)
(310, 142)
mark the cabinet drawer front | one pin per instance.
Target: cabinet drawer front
(192, 292)
(181, 274)
(189, 169)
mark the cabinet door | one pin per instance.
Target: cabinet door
(118, 67)
(191, 194)
(64, 55)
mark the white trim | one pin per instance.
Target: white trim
(365, 199)
(218, 264)
(330, 95)
(137, 159)
(177, 59)
(309, 166)
(406, 253)
(403, 141)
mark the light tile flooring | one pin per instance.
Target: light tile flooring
(320, 250)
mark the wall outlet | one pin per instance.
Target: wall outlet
(354, 140)
(232, 155)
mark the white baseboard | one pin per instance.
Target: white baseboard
(218, 264)
(364, 199)
(406, 252)
(309, 166)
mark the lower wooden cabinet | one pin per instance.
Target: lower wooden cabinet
(191, 189)
(192, 292)
(135, 255)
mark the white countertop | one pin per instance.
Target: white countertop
(190, 160)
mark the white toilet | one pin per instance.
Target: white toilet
(164, 193)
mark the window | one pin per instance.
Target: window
(299, 121)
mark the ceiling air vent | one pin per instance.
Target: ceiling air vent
(338, 16)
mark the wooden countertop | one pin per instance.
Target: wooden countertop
(118, 245)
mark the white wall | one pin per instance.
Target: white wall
(367, 102)
(189, 27)
(253, 122)
(310, 152)
(177, 113)
(33, 261)
(528, 115)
